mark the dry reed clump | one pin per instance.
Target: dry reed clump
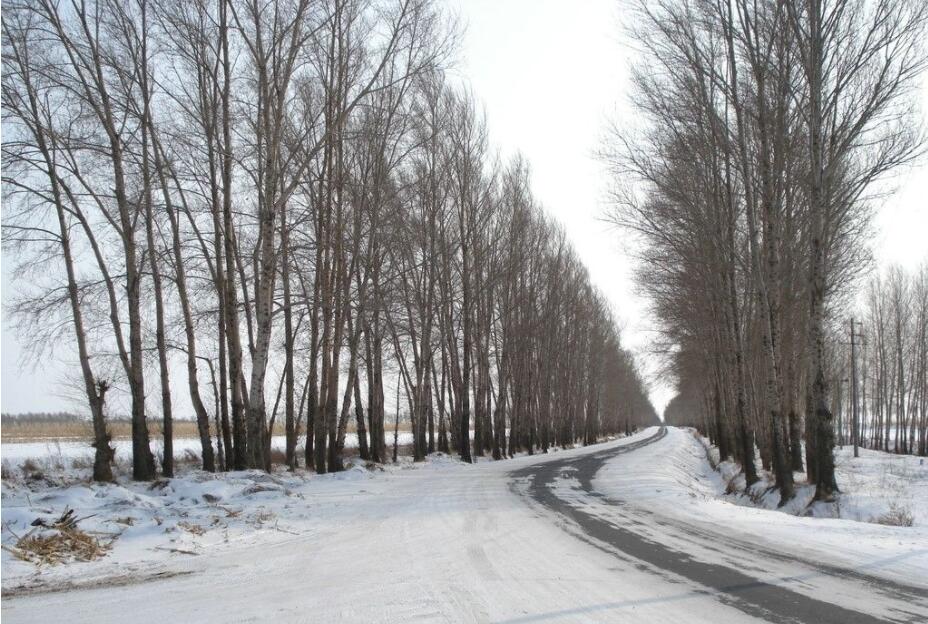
(82, 463)
(191, 527)
(278, 456)
(188, 457)
(59, 542)
(32, 470)
(898, 515)
(25, 430)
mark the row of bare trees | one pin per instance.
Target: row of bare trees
(289, 199)
(768, 126)
(890, 364)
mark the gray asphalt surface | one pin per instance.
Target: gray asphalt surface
(730, 585)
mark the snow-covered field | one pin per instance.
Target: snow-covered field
(674, 478)
(64, 454)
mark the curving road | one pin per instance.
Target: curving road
(611, 526)
(526, 540)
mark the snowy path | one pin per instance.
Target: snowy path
(527, 540)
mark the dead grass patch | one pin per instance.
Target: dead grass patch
(189, 457)
(257, 488)
(32, 470)
(191, 527)
(263, 516)
(898, 515)
(26, 430)
(82, 463)
(59, 542)
(278, 456)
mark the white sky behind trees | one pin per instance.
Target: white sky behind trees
(551, 75)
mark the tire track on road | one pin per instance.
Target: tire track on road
(730, 586)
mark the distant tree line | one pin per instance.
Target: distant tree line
(889, 359)
(40, 417)
(768, 127)
(291, 199)
(891, 366)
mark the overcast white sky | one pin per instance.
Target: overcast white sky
(551, 75)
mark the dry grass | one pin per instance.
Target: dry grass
(59, 542)
(279, 456)
(58, 546)
(37, 431)
(262, 516)
(191, 527)
(31, 469)
(32, 431)
(189, 457)
(898, 515)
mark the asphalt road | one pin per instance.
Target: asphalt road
(618, 527)
(527, 540)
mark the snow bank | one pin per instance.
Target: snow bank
(192, 514)
(673, 478)
(878, 487)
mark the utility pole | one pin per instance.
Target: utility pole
(396, 422)
(854, 388)
(863, 374)
(839, 408)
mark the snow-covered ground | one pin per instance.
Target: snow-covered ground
(147, 525)
(440, 541)
(444, 542)
(674, 478)
(55, 455)
(879, 487)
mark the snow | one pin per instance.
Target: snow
(440, 541)
(875, 487)
(63, 454)
(674, 479)
(437, 541)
